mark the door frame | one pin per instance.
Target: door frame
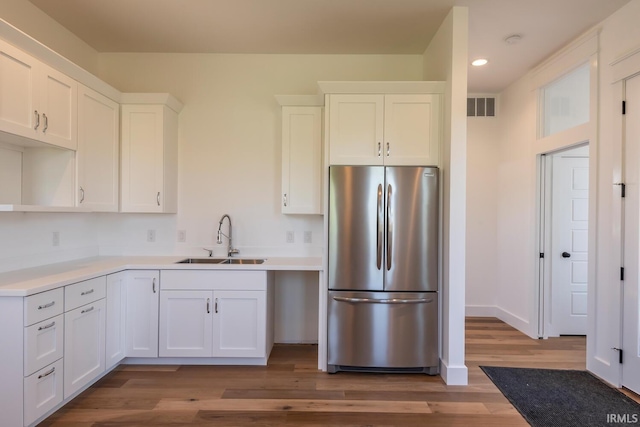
(545, 233)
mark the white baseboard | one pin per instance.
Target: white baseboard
(454, 375)
(510, 319)
(480, 311)
(517, 322)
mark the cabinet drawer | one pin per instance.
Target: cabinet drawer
(42, 306)
(43, 344)
(42, 391)
(82, 293)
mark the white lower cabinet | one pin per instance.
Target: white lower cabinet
(43, 391)
(220, 314)
(186, 323)
(143, 288)
(240, 323)
(84, 357)
(116, 328)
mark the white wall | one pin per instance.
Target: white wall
(483, 139)
(446, 59)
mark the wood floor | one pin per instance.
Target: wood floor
(290, 391)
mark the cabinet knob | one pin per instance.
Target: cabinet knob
(284, 200)
(81, 194)
(158, 198)
(379, 149)
(46, 122)
(388, 149)
(37, 120)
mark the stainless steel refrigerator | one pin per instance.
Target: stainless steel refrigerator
(383, 268)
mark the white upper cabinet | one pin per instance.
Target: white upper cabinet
(356, 129)
(301, 160)
(36, 101)
(149, 160)
(371, 129)
(98, 151)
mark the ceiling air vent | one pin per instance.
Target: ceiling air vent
(481, 107)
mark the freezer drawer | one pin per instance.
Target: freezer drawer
(383, 331)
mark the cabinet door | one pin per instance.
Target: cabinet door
(142, 313)
(98, 151)
(58, 102)
(84, 330)
(412, 130)
(186, 323)
(239, 325)
(142, 158)
(356, 129)
(115, 323)
(18, 78)
(301, 160)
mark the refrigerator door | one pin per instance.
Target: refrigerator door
(356, 227)
(411, 216)
(383, 330)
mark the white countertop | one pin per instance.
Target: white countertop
(20, 283)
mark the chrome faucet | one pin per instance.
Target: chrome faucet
(230, 249)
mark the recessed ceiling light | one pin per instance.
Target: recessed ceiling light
(479, 62)
(513, 39)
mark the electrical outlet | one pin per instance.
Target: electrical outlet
(56, 238)
(151, 235)
(307, 236)
(182, 236)
(290, 237)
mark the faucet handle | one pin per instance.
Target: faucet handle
(209, 250)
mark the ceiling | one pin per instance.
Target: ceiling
(333, 27)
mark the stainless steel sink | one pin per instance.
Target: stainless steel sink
(221, 261)
(242, 261)
(201, 261)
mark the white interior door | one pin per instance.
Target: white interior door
(631, 236)
(569, 242)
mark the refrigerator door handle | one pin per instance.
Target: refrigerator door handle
(379, 235)
(386, 301)
(389, 229)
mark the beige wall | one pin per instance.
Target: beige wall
(23, 15)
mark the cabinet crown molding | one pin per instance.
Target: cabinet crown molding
(381, 87)
(152, 98)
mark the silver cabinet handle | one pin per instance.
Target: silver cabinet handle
(86, 310)
(158, 198)
(389, 229)
(46, 374)
(216, 306)
(380, 226)
(81, 194)
(208, 305)
(386, 301)
(50, 325)
(90, 291)
(284, 199)
(388, 150)
(42, 307)
(153, 285)
(46, 122)
(37, 120)
(379, 149)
